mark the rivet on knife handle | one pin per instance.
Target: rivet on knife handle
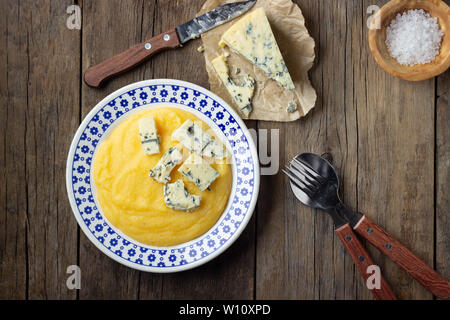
(363, 261)
(128, 59)
(398, 253)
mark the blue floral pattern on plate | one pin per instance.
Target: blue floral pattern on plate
(205, 105)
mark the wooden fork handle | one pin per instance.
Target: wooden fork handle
(398, 253)
(363, 261)
(128, 59)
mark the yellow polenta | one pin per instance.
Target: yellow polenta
(134, 202)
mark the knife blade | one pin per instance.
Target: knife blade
(176, 37)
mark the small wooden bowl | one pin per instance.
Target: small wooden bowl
(377, 39)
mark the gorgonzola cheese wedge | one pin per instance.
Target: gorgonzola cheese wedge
(161, 172)
(177, 197)
(253, 38)
(242, 94)
(195, 139)
(197, 170)
(149, 136)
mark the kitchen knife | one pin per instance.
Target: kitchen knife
(176, 37)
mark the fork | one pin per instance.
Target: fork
(315, 183)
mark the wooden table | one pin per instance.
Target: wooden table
(388, 138)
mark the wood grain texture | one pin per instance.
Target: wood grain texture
(13, 218)
(5, 286)
(363, 261)
(42, 102)
(53, 55)
(442, 175)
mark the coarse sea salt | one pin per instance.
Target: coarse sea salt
(414, 37)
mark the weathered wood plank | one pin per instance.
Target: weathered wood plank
(229, 276)
(108, 28)
(14, 71)
(4, 268)
(52, 117)
(443, 175)
(340, 133)
(356, 88)
(396, 166)
(41, 97)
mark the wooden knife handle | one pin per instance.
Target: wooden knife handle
(363, 261)
(398, 253)
(95, 75)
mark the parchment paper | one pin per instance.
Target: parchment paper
(297, 47)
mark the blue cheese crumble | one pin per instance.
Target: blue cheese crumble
(292, 107)
(243, 93)
(195, 139)
(150, 139)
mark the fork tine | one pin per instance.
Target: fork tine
(308, 189)
(302, 179)
(313, 174)
(295, 164)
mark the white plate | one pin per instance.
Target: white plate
(141, 96)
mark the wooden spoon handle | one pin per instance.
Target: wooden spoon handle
(398, 253)
(363, 261)
(95, 75)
